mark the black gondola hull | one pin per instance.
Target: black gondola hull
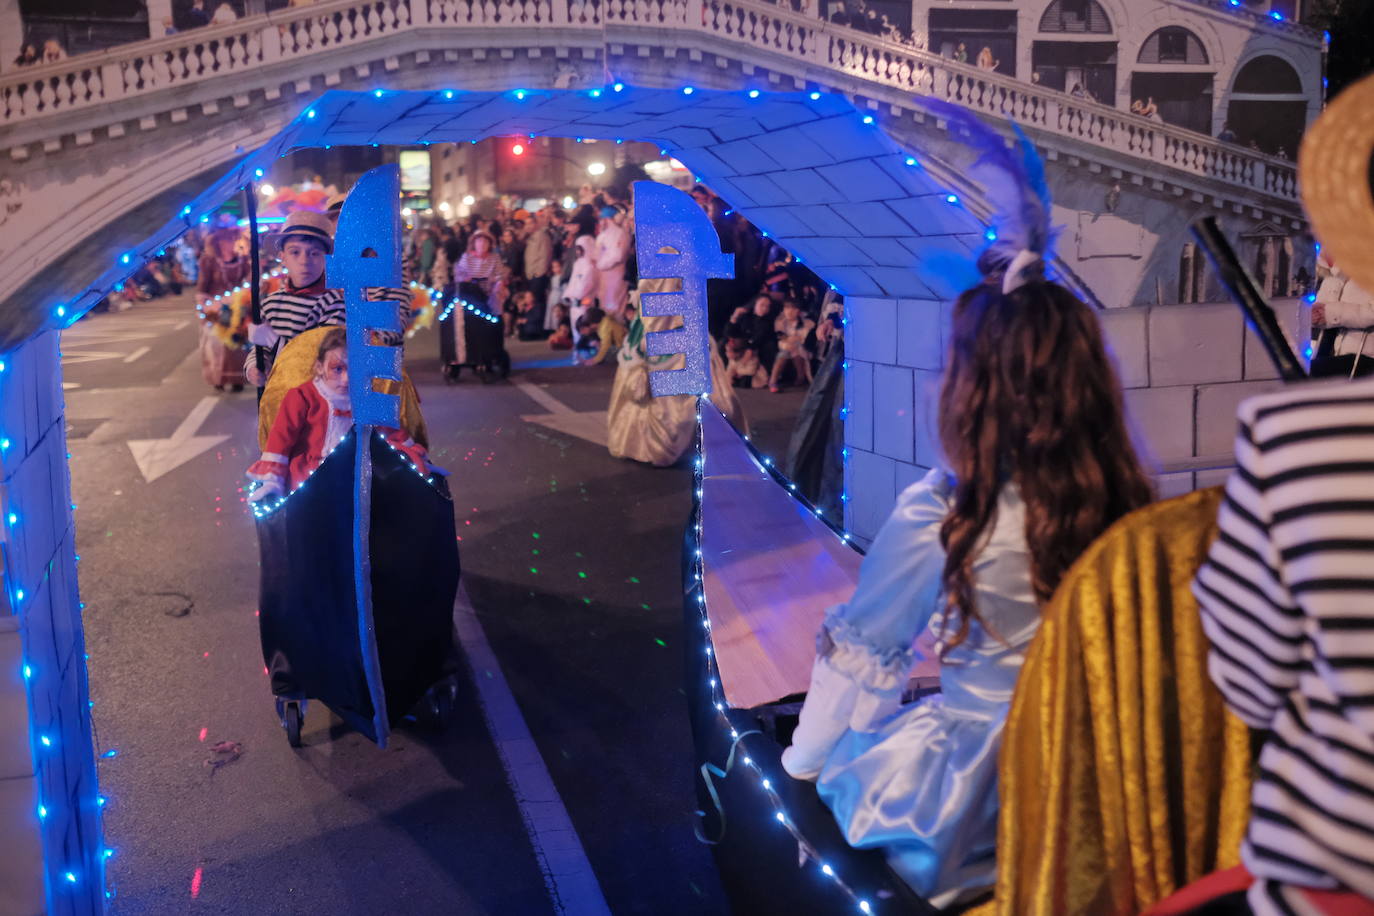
(309, 611)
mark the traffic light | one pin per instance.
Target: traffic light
(518, 149)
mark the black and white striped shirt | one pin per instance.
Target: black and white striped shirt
(290, 312)
(1287, 598)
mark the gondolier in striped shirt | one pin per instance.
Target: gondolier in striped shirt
(303, 301)
(1287, 598)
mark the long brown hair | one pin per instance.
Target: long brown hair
(1030, 397)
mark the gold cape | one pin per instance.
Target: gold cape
(1123, 777)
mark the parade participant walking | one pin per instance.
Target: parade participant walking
(479, 277)
(480, 267)
(1346, 313)
(658, 431)
(222, 334)
(612, 251)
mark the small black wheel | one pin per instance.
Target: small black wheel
(291, 719)
(440, 702)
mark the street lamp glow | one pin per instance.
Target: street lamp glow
(406, 211)
(267, 190)
(469, 200)
(596, 168)
(444, 205)
(568, 203)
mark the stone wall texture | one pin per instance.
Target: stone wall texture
(1184, 368)
(52, 857)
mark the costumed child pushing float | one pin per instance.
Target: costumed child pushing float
(303, 302)
(313, 419)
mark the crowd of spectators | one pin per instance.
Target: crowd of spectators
(565, 274)
(31, 56)
(168, 274)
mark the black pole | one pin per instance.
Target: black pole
(1242, 288)
(250, 197)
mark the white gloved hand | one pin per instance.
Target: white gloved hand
(824, 720)
(266, 490)
(262, 335)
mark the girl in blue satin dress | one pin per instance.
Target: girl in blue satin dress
(1039, 463)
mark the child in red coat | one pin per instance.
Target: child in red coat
(313, 420)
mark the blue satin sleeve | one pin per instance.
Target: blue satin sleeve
(899, 580)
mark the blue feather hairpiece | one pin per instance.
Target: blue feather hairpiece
(1013, 181)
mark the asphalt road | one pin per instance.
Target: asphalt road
(571, 561)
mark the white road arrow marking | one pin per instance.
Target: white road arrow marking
(156, 457)
(72, 357)
(137, 354)
(589, 425)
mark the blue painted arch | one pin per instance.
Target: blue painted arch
(810, 169)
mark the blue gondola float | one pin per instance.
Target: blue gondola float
(775, 844)
(360, 563)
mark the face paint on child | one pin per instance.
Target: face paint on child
(333, 372)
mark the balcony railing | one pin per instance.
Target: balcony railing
(239, 48)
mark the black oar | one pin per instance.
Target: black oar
(1247, 295)
(250, 198)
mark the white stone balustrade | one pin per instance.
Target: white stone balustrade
(298, 34)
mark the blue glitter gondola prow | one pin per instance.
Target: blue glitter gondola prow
(675, 239)
(367, 254)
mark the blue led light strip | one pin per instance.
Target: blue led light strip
(697, 593)
(263, 509)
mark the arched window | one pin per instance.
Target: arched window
(1267, 108)
(1268, 75)
(1085, 17)
(1172, 45)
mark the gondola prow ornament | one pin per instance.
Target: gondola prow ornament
(674, 238)
(367, 254)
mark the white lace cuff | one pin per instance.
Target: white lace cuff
(878, 675)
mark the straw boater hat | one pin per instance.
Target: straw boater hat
(308, 224)
(482, 234)
(1334, 172)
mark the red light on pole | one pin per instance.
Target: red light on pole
(518, 149)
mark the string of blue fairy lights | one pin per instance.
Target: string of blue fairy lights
(264, 508)
(437, 296)
(44, 748)
(697, 594)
